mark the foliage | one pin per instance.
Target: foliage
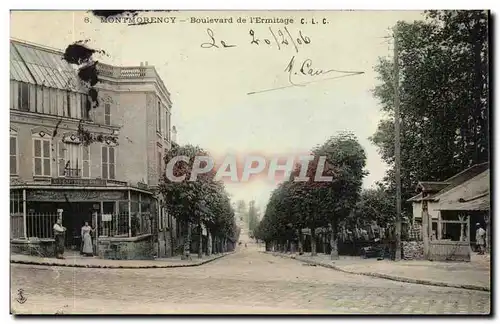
(297, 204)
(202, 201)
(444, 102)
(375, 205)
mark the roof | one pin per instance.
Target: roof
(429, 186)
(434, 189)
(473, 194)
(39, 65)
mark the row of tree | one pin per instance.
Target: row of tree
(200, 203)
(297, 205)
(444, 113)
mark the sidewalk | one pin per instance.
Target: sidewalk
(474, 275)
(81, 262)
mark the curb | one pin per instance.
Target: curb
(388, 277)
(97, 266)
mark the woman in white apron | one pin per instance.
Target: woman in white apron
(87, 240)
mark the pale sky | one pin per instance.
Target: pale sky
(210, 86)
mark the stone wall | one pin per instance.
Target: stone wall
(413, 250)
(44, 248)
(135, 248)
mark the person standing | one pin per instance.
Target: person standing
(87, 240)
(480, 238)
(59, 234)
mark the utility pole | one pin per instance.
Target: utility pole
(397, 147)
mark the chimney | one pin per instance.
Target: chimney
(142, 64)
(146, 63)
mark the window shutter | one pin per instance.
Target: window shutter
(46, 158)
(61, 158)
(37, 156)
(13, 155)
(86, 161)
(111, 157)
(104, 162)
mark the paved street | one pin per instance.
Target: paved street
(245, 282)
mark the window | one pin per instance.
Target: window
(85, 106)
(41, 157)
(55, 109)
(71, 161)
(47, 109)
(13, 155)
(39, 101)
(68, 104)
(107, 114)
(23, 96)
(158, 117)
(108, 162)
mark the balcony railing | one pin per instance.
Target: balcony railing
(73, 173)
(86, 182)
(132, 72)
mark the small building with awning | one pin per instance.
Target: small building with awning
(449, 211)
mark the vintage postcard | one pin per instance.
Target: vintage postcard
(250, 162)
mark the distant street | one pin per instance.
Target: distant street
(245, 282)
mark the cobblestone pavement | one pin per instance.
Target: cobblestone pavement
(244, 282)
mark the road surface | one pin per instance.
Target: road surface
(247, 282)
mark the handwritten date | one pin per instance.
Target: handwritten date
(280, 39)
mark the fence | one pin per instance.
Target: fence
(117, 225)
(40, 225)
(113, 225)
(144, 223)
(16, 226)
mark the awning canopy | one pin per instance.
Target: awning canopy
(481, 204)
(473, 194)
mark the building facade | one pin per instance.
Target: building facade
(99, 165)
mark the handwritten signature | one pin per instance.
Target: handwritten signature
(21, 299)
(308, 73)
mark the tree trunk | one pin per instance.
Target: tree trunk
(187, 242)
(209, 242)
(313, 242)
(301, 242)
(200, 244)
(334, 252)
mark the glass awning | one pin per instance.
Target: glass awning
(36, 65)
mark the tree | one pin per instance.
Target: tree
(444, 101)
(189, 201)
(346, 161)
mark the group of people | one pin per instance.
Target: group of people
(60, 233)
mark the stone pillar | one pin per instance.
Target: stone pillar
(425, 228)
(25, 228)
